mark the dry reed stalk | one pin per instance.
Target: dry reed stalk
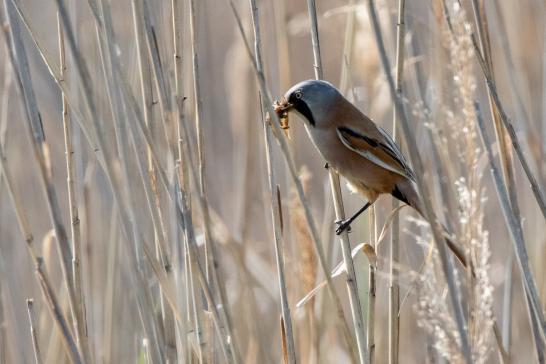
(287, 332)
(515, 89)
(43, 280)
(372, 285)
(83, 74)
(40, 150)
(165, 282)
(276, 210)
(514, 228)
(33, 331)
(147, 112)
(507, 167)
(223, 328)
(3, 331)
(345, 85)
(184, 346)
(110, 289)
(284, 344)
(282, 42)
(144, 131)
(259, 339)
(209, 263)
(211, 256)
(148, 177)
(150, 39)
(281, 138)
(462, 133)
(191, 301)
(307, 268)
(53, 305)
(80, 322)
(517, 235)
(418, 166)
(507, 122)
(348, 45)
(500, 134)
(507, 301)
(352, 287)
(106, 52)
(394, 257)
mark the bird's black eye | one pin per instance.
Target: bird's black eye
(298, 94)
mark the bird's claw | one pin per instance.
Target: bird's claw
(343, 225)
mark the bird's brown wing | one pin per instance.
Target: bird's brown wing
(380, 150)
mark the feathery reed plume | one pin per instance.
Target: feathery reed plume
(432, 307)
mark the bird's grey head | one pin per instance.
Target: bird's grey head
(312, 99)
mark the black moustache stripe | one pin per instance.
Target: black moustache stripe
(303, 109)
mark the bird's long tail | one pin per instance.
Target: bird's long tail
(406, 192)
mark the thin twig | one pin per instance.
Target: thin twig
(40, 150)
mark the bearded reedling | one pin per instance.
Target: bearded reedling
(354, 145)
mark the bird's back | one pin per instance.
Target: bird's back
(364, 154)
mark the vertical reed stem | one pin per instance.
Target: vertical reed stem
(356, 310)
(275, 202)
(394, 258)
(372, 284)
(80, 322)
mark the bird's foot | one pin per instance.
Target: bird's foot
(343, 225)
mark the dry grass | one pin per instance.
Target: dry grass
(151, 211)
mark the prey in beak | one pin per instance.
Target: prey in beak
(282, 107)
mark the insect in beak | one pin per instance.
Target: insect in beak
(282, 107)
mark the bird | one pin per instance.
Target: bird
(357, 148)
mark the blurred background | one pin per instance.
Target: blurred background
(140, 205)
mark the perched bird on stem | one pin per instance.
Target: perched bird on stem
(354, 146)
